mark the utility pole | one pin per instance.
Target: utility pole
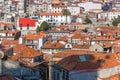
(50, 65)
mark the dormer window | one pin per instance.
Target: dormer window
(68, 46)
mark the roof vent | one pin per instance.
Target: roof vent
(101, 61)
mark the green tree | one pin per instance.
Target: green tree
(87, 20)
(38, 28)
(43, 27)
(66, 12)
(115, 22)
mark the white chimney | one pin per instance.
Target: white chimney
(21, 40)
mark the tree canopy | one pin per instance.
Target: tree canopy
(66, 12)
(43, 27)
(87, 21)
(115, 22)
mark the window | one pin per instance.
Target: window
(95, 49)
(20, 26)
(68, 46)
(27, 26)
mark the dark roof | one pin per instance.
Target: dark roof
(7, 77)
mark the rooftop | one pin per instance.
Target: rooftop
(24, 22)
(50, 14)
(88, 62)
(21, 50)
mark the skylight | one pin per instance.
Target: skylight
(84, 57)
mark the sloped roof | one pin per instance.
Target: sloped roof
(97, 61)
(51, 14)
(34, 36)
(54, 45)
(23, 51)
(27, 21)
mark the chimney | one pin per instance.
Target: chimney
(21, 40)
(69, 40)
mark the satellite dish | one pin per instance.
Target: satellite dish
(1, 54)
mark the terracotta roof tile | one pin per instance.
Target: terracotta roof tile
(74, 63)
(34, 36)
(104, 38)
(8, 24)
(71, 52)
(9, 31)
(8, 42)
(81, 46)
(55, 1)
(54, 45)
(77, 36)
(77, 23)
(64, 38)
(50, 14)
(25, 52)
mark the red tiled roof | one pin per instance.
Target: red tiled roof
(9, 31)
(73, 24)
(34, 36)
(73, 62)
(104, 38)
(55, 1)
(116, 42)
(50, 14)
(27, 21)
(24, 51)
(8, 42)
(55, 45)
(64, 38)
(71, 52)
(8, 24)
(81, 46)
(77, 36)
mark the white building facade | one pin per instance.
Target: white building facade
(54, 18)
(90, 5)
(74, 10)
(109, 15)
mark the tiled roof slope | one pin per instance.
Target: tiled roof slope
(97, 61)
(25, 52)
